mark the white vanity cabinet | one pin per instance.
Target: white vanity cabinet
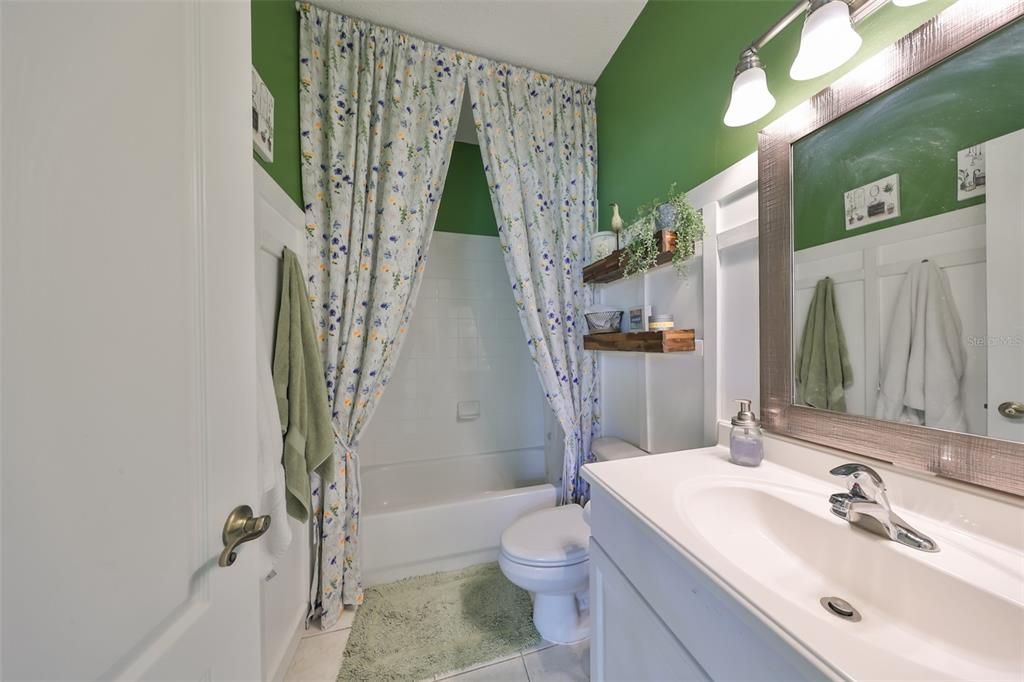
(706, 570)
(656, 616)
(634, 644)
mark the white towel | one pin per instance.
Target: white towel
(270, 446)
(923, 363)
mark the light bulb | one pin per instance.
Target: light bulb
(750, 99)
(827, 41)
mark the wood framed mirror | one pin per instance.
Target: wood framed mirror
(872, 233)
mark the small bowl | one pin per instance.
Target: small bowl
(605, 322)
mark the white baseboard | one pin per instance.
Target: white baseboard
(281, 668)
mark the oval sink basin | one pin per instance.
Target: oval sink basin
(958, 613)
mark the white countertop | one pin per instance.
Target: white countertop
(766, 534)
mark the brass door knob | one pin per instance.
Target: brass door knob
(241, 526)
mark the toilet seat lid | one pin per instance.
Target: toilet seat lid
(557, 536)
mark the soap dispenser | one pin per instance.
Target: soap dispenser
(745, 445)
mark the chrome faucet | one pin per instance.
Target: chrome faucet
(866, 505)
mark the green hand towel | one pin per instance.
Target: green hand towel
(823, 363)
(301, 392)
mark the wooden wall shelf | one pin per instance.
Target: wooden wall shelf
(671, 341)
(609, 269)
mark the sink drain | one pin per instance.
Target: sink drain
(840, 608)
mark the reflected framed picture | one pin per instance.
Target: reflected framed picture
(873, 202)
(970, 172)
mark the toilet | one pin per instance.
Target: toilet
(547, 554)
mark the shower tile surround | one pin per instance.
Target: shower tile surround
(437, 490)
(465, 343)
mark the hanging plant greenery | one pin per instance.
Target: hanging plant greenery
(689, 229)
(640, 253)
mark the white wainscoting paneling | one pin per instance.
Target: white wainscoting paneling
(674, 402)
(283, 598)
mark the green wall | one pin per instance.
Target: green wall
(661, 99)
(275, 54)
(466, 201)
(915, 130)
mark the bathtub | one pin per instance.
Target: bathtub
(442, 515)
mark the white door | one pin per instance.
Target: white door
(128, 405)
(1004, 161)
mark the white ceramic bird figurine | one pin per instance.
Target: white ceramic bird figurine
(616, 223)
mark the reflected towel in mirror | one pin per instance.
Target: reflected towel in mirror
(823, 370)
(923, 361)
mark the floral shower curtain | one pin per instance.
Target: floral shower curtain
(538, 138)
(378, 115)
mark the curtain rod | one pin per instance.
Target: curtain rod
(474, 55)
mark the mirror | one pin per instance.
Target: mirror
(908, 240)
(891, 238)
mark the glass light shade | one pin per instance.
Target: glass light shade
(827, 42)
(907, 3)
(750, 98)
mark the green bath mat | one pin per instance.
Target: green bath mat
(416, 628)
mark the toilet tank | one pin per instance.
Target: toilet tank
(608, 449)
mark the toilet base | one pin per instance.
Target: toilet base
(559, 618)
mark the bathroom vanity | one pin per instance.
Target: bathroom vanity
(701, 569)
(883, 536)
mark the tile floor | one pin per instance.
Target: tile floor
(546, 663)
(318, 659)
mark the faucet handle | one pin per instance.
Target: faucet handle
(853, 467)
(863, 482)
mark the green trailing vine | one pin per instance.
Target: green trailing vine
(641, 250)
(689, 229)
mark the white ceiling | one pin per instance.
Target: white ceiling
(570, 38)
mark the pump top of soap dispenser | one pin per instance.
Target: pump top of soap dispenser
(744, 417)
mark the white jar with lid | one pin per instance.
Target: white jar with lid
(602, 244)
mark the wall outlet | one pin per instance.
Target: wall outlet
(468, 410)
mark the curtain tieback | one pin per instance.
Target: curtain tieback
(344, 443)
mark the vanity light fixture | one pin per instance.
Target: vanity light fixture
(828, 40)
(750, 99)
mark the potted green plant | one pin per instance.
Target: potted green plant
(689, 228)
(677, 215)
